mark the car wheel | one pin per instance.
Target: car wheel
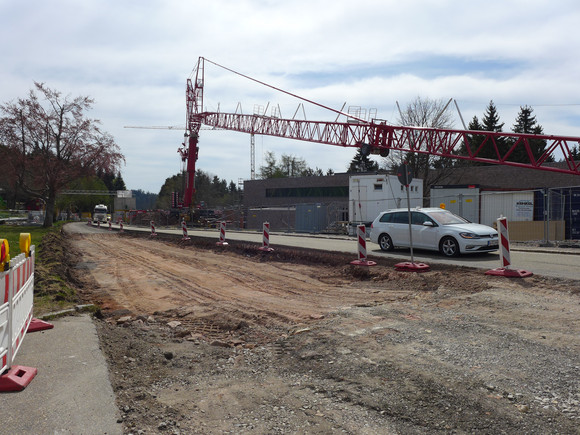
(385, 242)
(449, 247)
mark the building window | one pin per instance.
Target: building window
(305, 192)
(378, 187)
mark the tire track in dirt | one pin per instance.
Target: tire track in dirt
(145, 276)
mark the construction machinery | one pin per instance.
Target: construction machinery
(371, 136)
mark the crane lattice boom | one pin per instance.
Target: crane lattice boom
(379, 137)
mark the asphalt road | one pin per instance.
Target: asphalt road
(553, 262)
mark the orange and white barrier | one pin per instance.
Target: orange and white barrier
(222, 240)
(184, 228)
(266, 237)
(153, 233)
(362, 248)
(504, 254)
(16, 301)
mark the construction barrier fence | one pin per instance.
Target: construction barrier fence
(16, 292)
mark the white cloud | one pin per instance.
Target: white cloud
(133, 58)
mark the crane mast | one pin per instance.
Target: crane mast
(375, 137)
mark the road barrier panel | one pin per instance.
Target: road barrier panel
(153, 233)
(266, 238)
(121, 226)
(361, 234)
(222, 239)
(504, 254)
(184, 228)
(16, 304)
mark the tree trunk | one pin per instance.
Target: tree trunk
(49, 212)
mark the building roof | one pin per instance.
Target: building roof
(509, 177)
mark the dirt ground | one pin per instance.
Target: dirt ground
(211, 340)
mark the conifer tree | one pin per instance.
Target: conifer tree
(362, 163)
(526, 123)
(489, 122)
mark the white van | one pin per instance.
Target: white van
(100, 213)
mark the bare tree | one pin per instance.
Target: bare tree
(424, 112)
(50, 142)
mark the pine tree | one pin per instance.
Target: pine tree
(490, 122)
(526, 124)
(362, 163)
(474, 142)
(119, 183)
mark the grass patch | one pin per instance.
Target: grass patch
(12, 234)
(52, 288)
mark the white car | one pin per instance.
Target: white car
(435, 229)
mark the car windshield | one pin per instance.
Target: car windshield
(447, 218)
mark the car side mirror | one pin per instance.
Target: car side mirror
(428, 224)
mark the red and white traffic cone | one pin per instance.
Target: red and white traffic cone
(266, 238)
(362, 248)
(153, 233)
(184, 228)
(504, 254)
(222, 240)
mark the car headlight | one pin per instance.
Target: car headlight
(469, 235)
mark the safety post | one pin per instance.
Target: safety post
(121, 226)
(222, 240)
(266, 238)
(98, 224)
(405, 175)
(504, 254)
(110, 226)
(361, 233)
(153, 233)
(89, 221)
(184, 228)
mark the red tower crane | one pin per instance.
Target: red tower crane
(373, 136)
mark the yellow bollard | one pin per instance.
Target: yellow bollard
(4, 255)
(25, 242)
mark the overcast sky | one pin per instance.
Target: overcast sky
(134, 57)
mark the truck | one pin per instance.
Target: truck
(100, 213)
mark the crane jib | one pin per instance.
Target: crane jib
(379, 137)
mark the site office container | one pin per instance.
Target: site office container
(369, 195)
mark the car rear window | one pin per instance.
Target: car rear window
(387, 217)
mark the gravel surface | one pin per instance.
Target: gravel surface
(325, 347)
